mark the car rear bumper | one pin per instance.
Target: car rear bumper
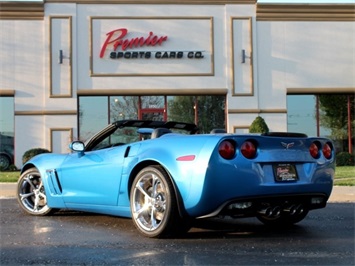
(252, 206)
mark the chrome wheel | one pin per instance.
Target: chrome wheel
(31, 194)
(152, 198)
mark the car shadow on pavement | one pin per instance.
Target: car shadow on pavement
(211, 228)
(239, 228)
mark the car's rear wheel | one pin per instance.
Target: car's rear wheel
(31, 194)
(153, 203)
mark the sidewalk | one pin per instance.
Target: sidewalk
(339, 193)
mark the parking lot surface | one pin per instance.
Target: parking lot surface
(325, 237)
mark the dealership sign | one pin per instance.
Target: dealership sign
(119, 43)
(135, 49)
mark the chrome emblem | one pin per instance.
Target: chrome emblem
(287, 145)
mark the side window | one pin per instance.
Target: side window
(119, 137)
(6, 131)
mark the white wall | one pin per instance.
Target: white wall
(310, 56)
(22, 70)
(307, 55)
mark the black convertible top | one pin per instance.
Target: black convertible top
(190, 127)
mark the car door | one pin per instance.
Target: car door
(92, 177)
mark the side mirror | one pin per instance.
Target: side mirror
(77, 146)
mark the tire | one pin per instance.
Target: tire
(153, 204)
(4, 162)
(31, 194)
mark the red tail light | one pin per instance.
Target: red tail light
(327, 150)
(314, 150)
(248, 149)
(227, 149)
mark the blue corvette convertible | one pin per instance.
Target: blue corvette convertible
(164, 175)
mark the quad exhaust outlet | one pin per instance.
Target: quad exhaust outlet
(275, 211)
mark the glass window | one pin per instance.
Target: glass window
(93, 115)
(302, 115)
(207, 111)
(6, 131)
(123, 107)
(152, 102)
(120, 137)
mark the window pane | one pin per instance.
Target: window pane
(152, 102)
(123, 107)
(120, 137)
(6, 131)
(211, 112)
(207, 111)
(93, 115)
(7, 115)
(181, 108)
(301, 116)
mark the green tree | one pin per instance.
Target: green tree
(124, 107)
(181, 108)
(210, 111)
(334, 115)
(258, 126)
(29, 154)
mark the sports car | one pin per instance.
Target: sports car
(164, 175)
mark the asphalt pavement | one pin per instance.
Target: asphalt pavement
(339, 193)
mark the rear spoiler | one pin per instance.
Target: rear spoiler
(285, 134)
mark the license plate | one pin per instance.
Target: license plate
(285, 172)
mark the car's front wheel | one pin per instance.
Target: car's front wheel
(31, 194)
(153, 203)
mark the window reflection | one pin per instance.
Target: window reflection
(93, 115)
(207, 111)
(302, 116)
(120, 137)
(123, 107)
(152, 102)
(6, 131)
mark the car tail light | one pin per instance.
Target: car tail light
(327, 150)
(248, 149)
(314, 150)
(227, 149)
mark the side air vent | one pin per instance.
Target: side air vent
(127, 151)
(54, 183)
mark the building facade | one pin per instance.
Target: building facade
(67, 68)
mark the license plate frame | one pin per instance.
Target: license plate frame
(285, 172)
